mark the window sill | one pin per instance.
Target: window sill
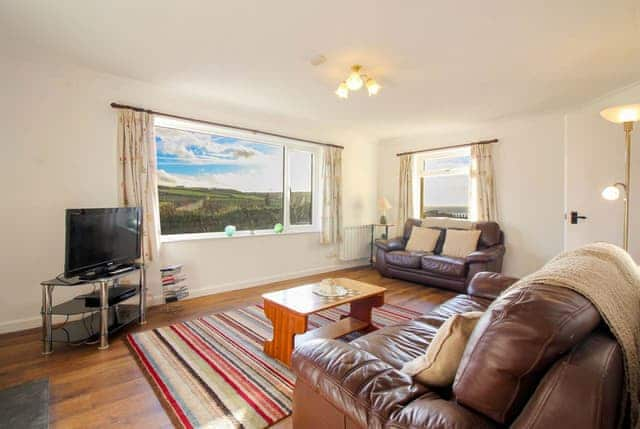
(240, 234)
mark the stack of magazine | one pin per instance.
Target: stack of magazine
(174, 283)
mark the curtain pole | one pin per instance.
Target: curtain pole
(447, 147)
(217, 124)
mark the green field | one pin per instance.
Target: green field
(192, 210)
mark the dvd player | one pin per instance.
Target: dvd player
(116, 294)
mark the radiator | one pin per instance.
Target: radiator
(356, 243)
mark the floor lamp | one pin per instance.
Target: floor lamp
(625, 115)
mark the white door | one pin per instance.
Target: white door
(594, 157)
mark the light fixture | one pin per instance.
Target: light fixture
(372, 86)
(625, 115)
(343, 90)
(355, 81)
(612, 193)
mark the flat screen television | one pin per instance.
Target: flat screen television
(99, 239)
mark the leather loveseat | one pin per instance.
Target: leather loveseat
(435, 269)
(541, 358)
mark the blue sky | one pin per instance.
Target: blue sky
(193, 159)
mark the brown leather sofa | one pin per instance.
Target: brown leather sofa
(541, 358)
(435, 269)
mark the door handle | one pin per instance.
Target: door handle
(575, 217)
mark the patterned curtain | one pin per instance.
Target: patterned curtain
(483, 192)
(331, 195)
(137, 175)
(405, 194)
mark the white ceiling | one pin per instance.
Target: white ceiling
(441, 63)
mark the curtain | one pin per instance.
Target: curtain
(137, 178)
(405, 195)
(331, 195)
(483, 193)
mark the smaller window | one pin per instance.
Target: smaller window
(444, 184)
(300, 187)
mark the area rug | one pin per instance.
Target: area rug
(212, 373)
(25, 406)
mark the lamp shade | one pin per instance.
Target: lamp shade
(622, 114)
(383, 204)
(611, 193)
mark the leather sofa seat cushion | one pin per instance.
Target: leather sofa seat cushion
(438, 366)
(397, 344)
(522, 333)
(404, 258)
(444, 265)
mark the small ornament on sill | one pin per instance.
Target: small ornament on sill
(278, 228)
(229, 230)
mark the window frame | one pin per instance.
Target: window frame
(443, 154)
(287, 145)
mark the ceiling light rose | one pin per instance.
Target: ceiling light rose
(372, 86)
(343, 90)
(354, 81)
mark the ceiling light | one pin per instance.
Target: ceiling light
(354, 81)
(372, 86)
(343, 90)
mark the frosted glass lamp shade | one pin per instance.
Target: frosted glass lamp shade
(354, 81)
(611, 193)
(342, 91)
(622, 114)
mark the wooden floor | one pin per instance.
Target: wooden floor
(91, 388)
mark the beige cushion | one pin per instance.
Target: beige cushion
(459, 244)
(438, 366)
(422, 239)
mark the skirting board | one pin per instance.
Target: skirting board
(153, 300)
(226, 287)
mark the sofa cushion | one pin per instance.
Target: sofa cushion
(444, 265)
(438, 366)
(423, 239)
(521, 334)
(405, 258)
(459, 244)
(397, 344)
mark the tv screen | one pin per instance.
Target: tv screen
(98, 238)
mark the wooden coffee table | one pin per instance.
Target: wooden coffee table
(289, 309)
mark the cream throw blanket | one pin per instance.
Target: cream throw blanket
(608, 277)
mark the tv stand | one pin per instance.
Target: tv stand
(96, 323)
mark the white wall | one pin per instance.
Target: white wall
(529, 168)
(58, 150)
(595, 159)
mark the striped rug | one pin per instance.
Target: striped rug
(212, 372)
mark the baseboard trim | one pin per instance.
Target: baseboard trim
(153, 300)
(261, 281)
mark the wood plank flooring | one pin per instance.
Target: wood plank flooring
(101, 389)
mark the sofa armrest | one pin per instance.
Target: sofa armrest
(354, 381)
(487, 255)
(391, 244)
(489, 285)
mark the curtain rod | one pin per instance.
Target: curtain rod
(448, 147)
(202, 121)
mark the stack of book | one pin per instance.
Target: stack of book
(174, 283)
